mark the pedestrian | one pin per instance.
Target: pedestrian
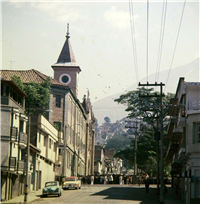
(92, 180)
(105, 180)
(110, 179)
(101, 179)
(120, 180)
(139, 180)
(84, 180)
(147, 182)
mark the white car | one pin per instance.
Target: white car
(72, 182)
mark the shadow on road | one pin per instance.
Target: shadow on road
(130, 193)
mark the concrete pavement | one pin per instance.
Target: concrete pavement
(139, 197)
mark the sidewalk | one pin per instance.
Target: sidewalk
(171, 198)
(20, 199)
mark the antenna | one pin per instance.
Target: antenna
(11, 63)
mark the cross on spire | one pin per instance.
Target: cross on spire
(67, 31)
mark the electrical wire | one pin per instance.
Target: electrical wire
(133, 40)
(175, 44)
(147, 37)
(162, 29)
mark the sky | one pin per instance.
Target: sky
(33, 34)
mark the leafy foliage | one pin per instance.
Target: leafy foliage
(149, 109)
(107, 119)
(118, 143)
(38, 94)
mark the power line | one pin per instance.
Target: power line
(176, 43)
(162, 29)
(147, 35)
(133, 40)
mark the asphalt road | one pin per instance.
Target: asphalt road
(106, 194)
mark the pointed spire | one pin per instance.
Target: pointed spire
(66, 54)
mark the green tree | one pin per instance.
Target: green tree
(149, 109)
(107, 119)
(38, 94)
(118, 143)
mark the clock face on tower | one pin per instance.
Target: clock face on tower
(65, 79)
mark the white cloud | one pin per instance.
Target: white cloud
(118, 18)
(60, 11)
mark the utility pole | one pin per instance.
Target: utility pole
(135, 148)
(64, 156)
(27, 161)
(161, 136)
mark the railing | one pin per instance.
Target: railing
(194, 104)
(22, 138)
(14, 133)
(60, 137)
(12, 163)
(20, 165)
(181, 153)
(5, 100)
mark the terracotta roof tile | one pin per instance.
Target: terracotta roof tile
(28, 76)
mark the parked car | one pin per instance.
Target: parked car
(72, 182)
(52, 188)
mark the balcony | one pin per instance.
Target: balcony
(20, 167)
(12, 163)
(177, 135)
(172, 148)
(6, 100)
(193, 106)
(13, 134)
(22, 140)
(170, 128)
(181, 122)
(60, 137)
(181, 155)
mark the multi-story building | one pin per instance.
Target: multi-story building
(184, 147)
(73, 119)
(99, 162)
(13, 139)
(89, 156)
(44, 151)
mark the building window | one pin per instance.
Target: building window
(2, 88)
(44, 141)
(55, 147)
(57, 125)
(7, 90)
(50, 143)
(58, 101)
(21, 126)
(196, 132)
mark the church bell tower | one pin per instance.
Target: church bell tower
(66, 70)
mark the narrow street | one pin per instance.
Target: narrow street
(108, 194)
(104, 194)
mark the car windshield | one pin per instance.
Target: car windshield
(51, 184)
(70, 179)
